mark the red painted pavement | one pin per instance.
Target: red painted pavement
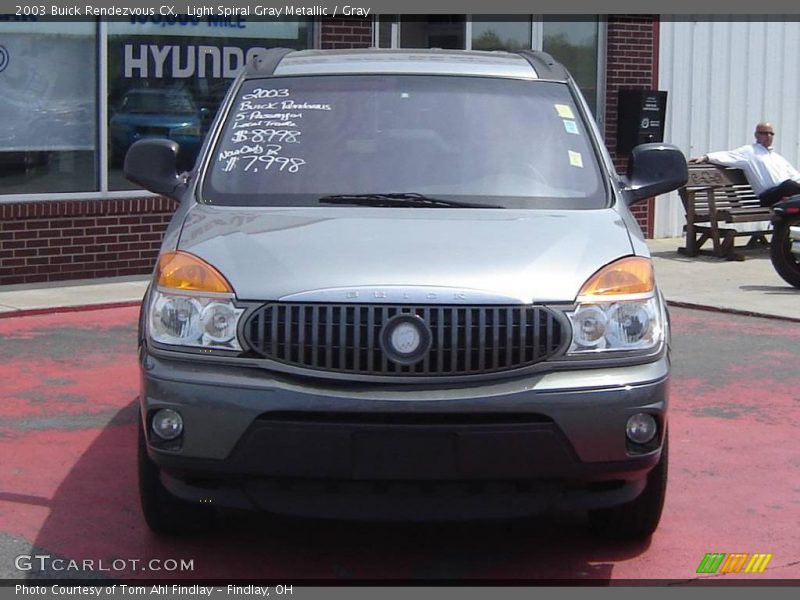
(68, 473)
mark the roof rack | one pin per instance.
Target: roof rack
(545, 65)
(265, 63)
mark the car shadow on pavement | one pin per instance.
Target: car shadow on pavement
(94, 516)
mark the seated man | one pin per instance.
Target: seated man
(770, 175)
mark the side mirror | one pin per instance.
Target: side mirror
(153, 164)
(654, 169)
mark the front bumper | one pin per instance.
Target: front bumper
(254, 440)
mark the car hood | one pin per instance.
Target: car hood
(344, 253)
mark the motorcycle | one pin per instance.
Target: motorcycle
(785, 246)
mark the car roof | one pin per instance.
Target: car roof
(524, 65)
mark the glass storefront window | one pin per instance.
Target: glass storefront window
(48, 111)
(385, 23)
(167, 77)
(573, 41)
(435, 31)
(501, 32)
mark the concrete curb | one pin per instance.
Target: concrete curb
(751, 288)
(28, 312)
(731, 311)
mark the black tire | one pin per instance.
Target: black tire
(163, 512)
(785, 263)
(637, 519)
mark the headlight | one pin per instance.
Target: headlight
(632, 323)
(175, 318)
(626, 325)
(589, 325)
(618, 308)
(189, 320)
(192, 305)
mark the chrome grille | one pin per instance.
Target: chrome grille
(345, 338)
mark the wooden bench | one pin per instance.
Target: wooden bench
(714, 197)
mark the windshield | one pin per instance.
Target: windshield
(487, 141)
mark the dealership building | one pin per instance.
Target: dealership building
(72, 91)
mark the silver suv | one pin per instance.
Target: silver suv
(404, 285)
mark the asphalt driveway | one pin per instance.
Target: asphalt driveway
(68, 476)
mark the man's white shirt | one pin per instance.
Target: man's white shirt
(764, 168)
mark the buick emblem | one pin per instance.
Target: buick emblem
(405, 339)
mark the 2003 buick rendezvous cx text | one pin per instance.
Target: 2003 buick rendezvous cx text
(404, 285)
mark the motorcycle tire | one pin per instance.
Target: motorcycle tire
(786, 264)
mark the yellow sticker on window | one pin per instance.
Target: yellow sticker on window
(575, 159)
(564, 111)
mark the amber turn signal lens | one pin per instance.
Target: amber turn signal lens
(183, 271)
(630, 275)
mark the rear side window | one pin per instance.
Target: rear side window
(510, 143)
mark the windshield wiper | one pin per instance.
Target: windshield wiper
(408, 199)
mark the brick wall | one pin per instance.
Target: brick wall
(632, 63)
(83, 239)
(346, 33)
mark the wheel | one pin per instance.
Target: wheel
(785, 263)
(637, 519)
(163, 512)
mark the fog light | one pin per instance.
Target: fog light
(167, 424)
(641, 428)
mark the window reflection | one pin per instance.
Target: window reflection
(159, 112)
(436, 31)
(48, 112)
(385, 23)
(167, 80)
(501, 32)
(573, 42)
